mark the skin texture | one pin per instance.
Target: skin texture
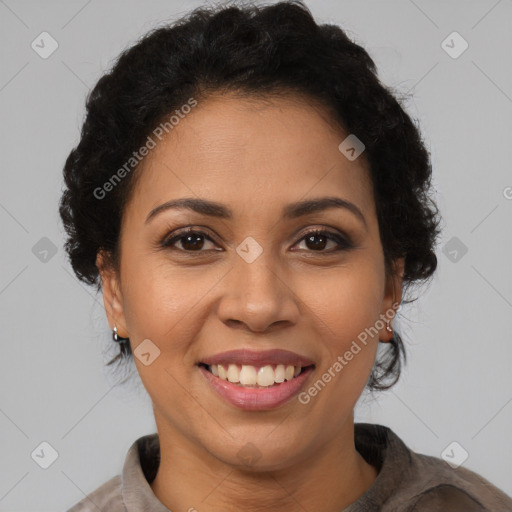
(254, 157)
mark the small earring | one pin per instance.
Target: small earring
(389, 329)
(116, 338)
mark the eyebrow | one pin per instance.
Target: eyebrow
(291, 211)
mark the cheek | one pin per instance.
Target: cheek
(151, 299)
(345, 301)
(344, 313)
(164, 302)
(344, 305)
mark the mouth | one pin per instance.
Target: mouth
(256, 377)
(256, 381)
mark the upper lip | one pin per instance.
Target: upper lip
(258, 358)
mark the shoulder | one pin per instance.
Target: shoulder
(409, 481)
(446, 497)
(436, 486)
(130, 489)
(106, 497)
(455, 489)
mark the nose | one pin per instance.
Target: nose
(258, 296)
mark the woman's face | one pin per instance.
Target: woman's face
(253, 281)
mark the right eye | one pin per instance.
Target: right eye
(191, 241)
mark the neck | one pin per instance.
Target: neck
(190, 478)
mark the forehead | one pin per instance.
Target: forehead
(253, 155)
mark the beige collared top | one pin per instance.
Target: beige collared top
(407, 481)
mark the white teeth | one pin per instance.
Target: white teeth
(266, 376)
(279, 373)
(252, 376)
(248, 375)
(222, 371)
(233, 373)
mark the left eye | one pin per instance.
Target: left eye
(194, 241)
(324, 237)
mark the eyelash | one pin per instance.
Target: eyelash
(341, 241)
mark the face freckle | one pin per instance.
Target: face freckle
(255, 160)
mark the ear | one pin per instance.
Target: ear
(112, 295)
(392, 298)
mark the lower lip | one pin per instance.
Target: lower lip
(257, 399)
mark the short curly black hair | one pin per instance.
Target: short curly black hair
(256, 51)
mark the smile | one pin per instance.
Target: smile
(249, 376)
(256, 380)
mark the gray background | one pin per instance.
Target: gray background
(55, 338)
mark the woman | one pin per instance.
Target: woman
(254, 206)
